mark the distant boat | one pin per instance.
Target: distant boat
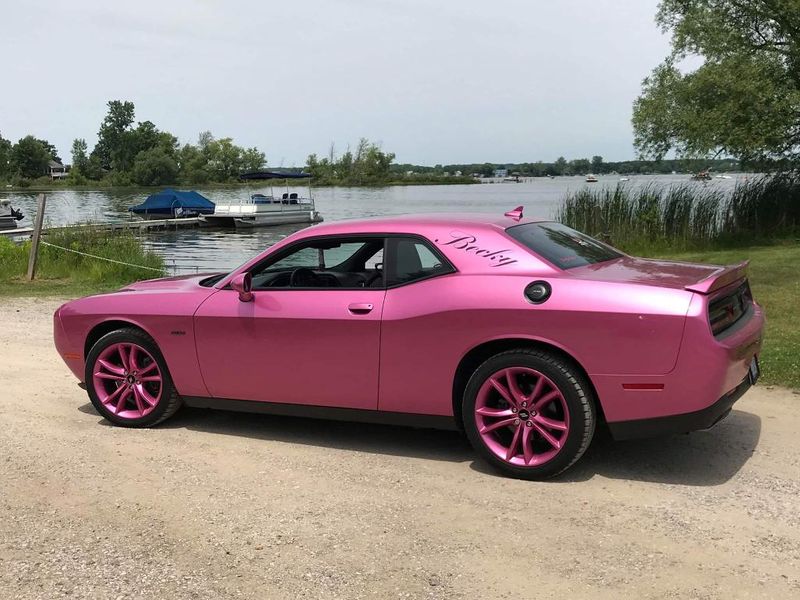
(262, 210)
(701, 176)
(9, 215)
(724, 177)
(173, 204)
(591, 178)
(624, 178)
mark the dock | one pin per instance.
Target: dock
(130, 225)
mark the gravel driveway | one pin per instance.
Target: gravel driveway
(225, 505)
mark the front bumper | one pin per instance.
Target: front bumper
(683, 423)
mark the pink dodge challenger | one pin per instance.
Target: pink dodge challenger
(522, 332)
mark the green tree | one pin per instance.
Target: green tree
(192, 165)
(224, 159)
(30, 158)
(744, 99)
(80, 158)
(154, 167)
(253, 159)
(115, 146)
(560, 166)
(597, 164)
(5, 158)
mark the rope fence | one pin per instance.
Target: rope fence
(111, 260)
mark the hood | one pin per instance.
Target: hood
(179, 283)
(661, 273)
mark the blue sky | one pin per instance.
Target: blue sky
(434, 82)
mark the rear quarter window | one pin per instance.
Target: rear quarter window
(562, 245)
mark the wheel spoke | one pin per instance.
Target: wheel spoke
(513, 386)
(544, 400)
(550, 423)
(547, 436)
(537, 389)
(148, 368)
(512, 447)
(484, 411)
(503, 391)
(527, 444)
(132, 362)
(122, 400)
(110, 367)
(151, 378)
(146, 396)
(123, 357)
(113, 396)
(139, 402)
(497, 425)
(112, 376)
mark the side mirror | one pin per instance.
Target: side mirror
(243, 283)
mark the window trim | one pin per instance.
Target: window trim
(289, 249)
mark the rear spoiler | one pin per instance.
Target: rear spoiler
(724, 276)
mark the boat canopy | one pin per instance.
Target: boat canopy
(275, 175)
(168, 201)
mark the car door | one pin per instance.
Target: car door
(419, 321)
(313, 342)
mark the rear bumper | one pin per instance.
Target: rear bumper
(709, 374)
(684, 423)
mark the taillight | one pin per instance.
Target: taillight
(723, 312)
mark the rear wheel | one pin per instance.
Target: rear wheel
(529, 413)
(128, 381)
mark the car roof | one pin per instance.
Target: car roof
(414, 222)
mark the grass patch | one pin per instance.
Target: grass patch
(60, 272)
(775, 281)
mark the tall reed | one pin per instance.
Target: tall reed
(686, 215)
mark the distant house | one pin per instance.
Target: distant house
(501, 172)
(56, 170)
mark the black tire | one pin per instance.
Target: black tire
(169, 402)
(577, 393)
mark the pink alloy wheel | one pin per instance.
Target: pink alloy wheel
(127, 380)
(522, 416)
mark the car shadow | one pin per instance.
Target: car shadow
(701, 458)
(704, 458)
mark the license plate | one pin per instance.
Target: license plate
(754, 372)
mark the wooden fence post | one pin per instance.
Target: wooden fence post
(37, 232)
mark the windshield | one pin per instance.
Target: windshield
(561, 245)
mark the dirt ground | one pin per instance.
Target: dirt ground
(226, 505)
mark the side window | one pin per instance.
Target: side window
(332, 263)
(411, 259)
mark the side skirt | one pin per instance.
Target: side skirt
(325, 412)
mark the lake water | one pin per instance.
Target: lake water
(197, 250)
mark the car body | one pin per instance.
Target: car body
(470, 317)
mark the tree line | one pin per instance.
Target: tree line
(130, 153)
(579, 166)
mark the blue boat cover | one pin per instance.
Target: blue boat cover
(171, 201)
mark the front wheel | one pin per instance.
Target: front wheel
(529, 413)
(128, 381)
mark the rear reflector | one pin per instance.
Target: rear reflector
(653, 387)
